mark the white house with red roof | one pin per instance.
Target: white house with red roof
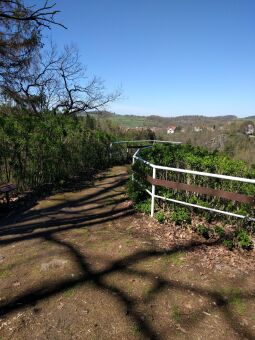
(171, 129)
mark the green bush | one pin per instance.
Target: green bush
(135, 193)
(203, 230)
(207, 215)
(35, 150)
(229, 244)
(144, 206)
(243, 239)
(181, 215)
(219, 231)
(160, 216)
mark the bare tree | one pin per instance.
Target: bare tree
(30, 89)
(77, 93)
(20, 34)
(59, 82)
(49, 82)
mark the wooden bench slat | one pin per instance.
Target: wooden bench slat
(7, 187)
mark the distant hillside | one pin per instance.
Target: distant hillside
(222, 133)
(250, 117)
(133, 121)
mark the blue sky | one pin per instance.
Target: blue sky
(171, 57)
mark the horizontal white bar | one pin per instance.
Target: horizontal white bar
(205, 208)
(207, 174)
(142, 160)
(146, 140)
(193, 172)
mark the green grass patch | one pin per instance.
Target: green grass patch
(177, 258)
(83, 232)
(147, 293)
(70, 292)
(128, 241)
(234, 298)
(137, 329)
(175, 313)
(5, 271)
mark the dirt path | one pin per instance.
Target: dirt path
(77, 266)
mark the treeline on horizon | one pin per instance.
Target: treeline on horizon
(174, 117)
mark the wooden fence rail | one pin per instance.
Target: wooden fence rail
(232, 196)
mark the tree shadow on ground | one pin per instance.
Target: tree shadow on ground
(29, 199)
(21, 222)
(97, 279)
(50, 231)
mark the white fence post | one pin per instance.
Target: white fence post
(111, 151)
(133, 162)
(153, 192)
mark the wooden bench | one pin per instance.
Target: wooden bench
(5, 189)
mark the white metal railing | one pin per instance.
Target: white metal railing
(153, 194)
(153, 141)
(144, 140)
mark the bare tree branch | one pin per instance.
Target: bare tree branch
(60, 84)
(42, 16)
(20, 35)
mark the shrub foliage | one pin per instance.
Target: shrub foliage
(35, 150)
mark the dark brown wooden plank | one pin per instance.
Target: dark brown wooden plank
(232, 196)
(7, 187)
(137, 146)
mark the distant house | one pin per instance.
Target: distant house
(171, 129)
(249, 129)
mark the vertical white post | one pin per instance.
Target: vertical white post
(111, 151)
(133, 162)
(153, 192)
